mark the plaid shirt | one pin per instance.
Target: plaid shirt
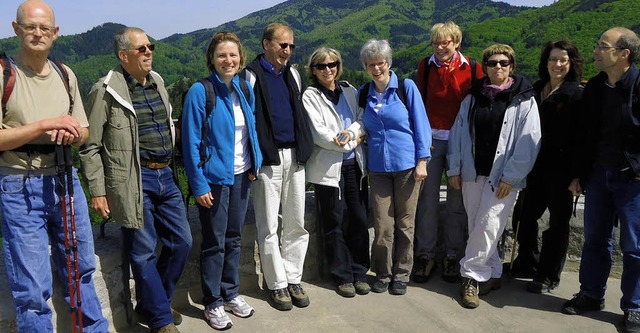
(154, 134)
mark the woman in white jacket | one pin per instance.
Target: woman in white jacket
(493, 145)
(337, 169)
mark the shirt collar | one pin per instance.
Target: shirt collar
(132, 82)
(268, 66)
(432, 60)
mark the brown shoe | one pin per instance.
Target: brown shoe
(491, 284)
(177, 317)
(362, 287)
(299, 297)
(470, 298)
(171, 328)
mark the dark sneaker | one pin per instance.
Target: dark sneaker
(170, 328)
(451, 271)
(487, 286)
(362, 288)
(298, 295)
(281, 300)
(581, 303)
(541, 286)
(347, 290)
(398, 288)
(423, 267)
(470, 298)
(380, 286)
(632, 321)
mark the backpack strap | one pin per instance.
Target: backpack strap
(362, 95)
(425, 75)
(474, 78)
(9, 80)
(62, 71)
(402, 92)
(210, 104)
(245, 89)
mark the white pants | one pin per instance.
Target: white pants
(488, 217)
(281, 258)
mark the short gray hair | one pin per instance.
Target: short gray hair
(121, 39)
(375, 48)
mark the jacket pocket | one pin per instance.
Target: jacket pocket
(118, 133)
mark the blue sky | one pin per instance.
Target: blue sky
(160, 18)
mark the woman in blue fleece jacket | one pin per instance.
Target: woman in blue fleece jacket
(220, 180)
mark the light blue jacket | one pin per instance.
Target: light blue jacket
(517, 148)
(398, 135)
(219, 169)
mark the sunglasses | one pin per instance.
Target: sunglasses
(322, 67)
(285, 45)
(143, 48)
(494, 63)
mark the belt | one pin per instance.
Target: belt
(36, 148)
(154, 165)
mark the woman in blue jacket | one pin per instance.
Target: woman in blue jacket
(219, 177)
(399, 142)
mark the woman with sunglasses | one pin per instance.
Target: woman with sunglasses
(492, 147)
(399, 141)
(220, 180)
(558, 94)
(337, 170)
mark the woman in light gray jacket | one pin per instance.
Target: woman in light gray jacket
(337, 169)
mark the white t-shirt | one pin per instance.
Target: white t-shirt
(242, 159)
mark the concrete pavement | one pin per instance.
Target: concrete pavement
(430, 307)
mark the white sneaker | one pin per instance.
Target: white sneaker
(217, 318)
(239, 307)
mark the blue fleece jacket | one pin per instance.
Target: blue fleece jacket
(219, 169)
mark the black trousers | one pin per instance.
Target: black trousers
(545, 190)
(346, 232)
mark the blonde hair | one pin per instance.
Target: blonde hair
(499, 49)
(319, 55)
(441, 31)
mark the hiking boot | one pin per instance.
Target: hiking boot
(380, 286)
(239, 307)
(281, 300)
(487, 286)
(362, 288)
(142, 316)
(170, 328)
(176, 316)
(470, 298)
(217, 318)
(451, 271)
(538, 286)
(398, 288)
(632, 321)
(298, 295)
(422, 269)
(581, 303)
(347, 290)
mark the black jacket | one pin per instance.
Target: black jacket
(591, 126)
(304, 141)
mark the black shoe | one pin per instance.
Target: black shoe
(538, 286)
(451, 271)
(489, 285)
(581, 303)
(281, 299)
(299, 297)
(632, 321)
(398, 288)
(380, 286)
(423, 267)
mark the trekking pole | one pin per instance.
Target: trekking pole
(68, 164)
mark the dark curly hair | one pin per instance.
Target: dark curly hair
(577, 62)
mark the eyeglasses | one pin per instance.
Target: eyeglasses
(143, 48)
(31, 28)
(562, 61)
(379, 65)
(285, 45)
(602, 47)
(494, 63)
(322, 67)
(442, 44)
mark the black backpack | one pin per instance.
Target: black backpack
(363, 94)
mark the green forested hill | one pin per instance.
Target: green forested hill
(347, 24)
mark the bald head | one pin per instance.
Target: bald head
(31, 6)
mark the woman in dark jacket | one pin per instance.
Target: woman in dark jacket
(558, 94)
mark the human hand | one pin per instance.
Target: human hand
(205, 200)
(421, 170)
(63, 130)
(503, 190)
(575, 187)
(455, 182)
(101, 206)
(342, 138)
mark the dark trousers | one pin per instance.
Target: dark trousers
(544, 192)
(346, 241)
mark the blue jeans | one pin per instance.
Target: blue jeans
(165, 220)
(610, 196)
(221, 239)
(32, 218)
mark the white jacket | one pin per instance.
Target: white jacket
(325, 164)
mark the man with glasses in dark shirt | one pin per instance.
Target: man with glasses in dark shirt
(127, 162)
